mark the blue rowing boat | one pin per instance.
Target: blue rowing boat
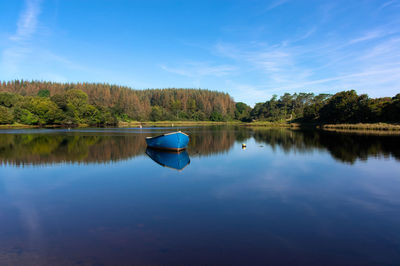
(174, 160)
(174, 141)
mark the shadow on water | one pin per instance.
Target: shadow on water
(92, 147)
(173, 160)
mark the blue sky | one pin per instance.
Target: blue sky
(250, 49)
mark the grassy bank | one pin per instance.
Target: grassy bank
(176, 123)
(330, 127)
(365, 132)
(133, 124)
(266, 124)
(16, 125)
(362, 126)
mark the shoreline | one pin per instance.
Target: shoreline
(177, 123)
(331, 127)
(363, 126)
(376, 127)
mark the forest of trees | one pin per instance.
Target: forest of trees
(44, 103)
(41, 103)
(342, 107)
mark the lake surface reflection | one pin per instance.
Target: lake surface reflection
(97, 196)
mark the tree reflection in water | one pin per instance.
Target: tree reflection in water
(345, 147)
(82, 147)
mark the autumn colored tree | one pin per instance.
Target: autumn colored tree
(39, 102)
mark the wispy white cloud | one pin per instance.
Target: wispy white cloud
(248, 93)
(372, 73)
(307, 34)
(323, 66)
(368, 36)
(388, 3)
(276, 4)
(387, 50)
(277, 62)
(23, 58)
(28, 21)
(200, 69)
(19, 46)
(373, 35)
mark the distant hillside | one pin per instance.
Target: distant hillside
(47, 103)
(118, 102)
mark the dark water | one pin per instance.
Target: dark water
(94, 197)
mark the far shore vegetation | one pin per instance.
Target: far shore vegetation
(49, 104)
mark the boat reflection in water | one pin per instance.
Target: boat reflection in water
(174, 160)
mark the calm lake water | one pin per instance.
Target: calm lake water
(94, 197)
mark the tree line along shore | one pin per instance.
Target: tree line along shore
(38, 103)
